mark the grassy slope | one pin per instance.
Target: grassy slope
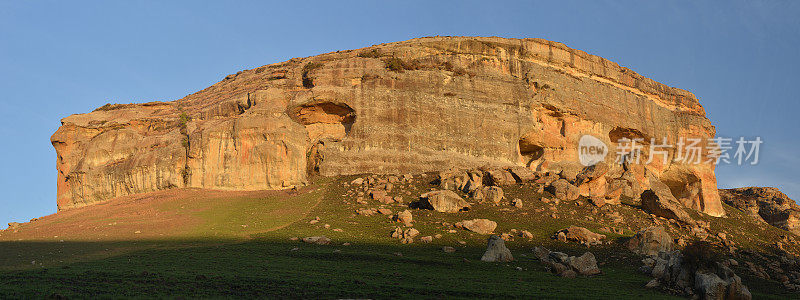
(218, 257)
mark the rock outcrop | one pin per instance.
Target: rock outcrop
(671, 272)
(427, 104)
(765, 203)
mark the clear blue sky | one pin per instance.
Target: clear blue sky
(65, 57)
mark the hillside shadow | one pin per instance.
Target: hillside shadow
(293, 269)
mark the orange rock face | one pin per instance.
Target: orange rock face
(427, 104)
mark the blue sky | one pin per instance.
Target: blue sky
(65, 57)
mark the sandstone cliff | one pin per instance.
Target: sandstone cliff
(426, 104)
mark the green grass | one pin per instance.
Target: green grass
(270, 265)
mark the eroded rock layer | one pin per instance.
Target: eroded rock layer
(427, 104)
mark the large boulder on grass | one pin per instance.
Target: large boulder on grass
(482, 226)
(443, 201)
(496, 251)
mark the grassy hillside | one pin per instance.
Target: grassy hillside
(231, 244)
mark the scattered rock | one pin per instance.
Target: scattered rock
(319, 240)
(517, 203)
(496, 251)
(581, 235)
(426, 239)
(405, 236)
(357, 181)
(385, 211)
(481, 226)
(366, 212)
(526, 234)
(448, 249)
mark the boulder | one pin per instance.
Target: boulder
(567, 266)
(496, 251)
(500, 177)
(591, 173)
(522, 174)
(658, 200)
(363, 212)
(481, 226)
(492, 194)
(443, 201)
(709, 286)
(452, 179)
(651, 241)
(580, 235)
(563, 190)
(319, 240)
(526, 234)
(585, 264)
(405, 236)
(405, 217)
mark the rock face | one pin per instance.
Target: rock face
(765, 203)
(422, 105)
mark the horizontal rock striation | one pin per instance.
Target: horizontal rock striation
(427, 104)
